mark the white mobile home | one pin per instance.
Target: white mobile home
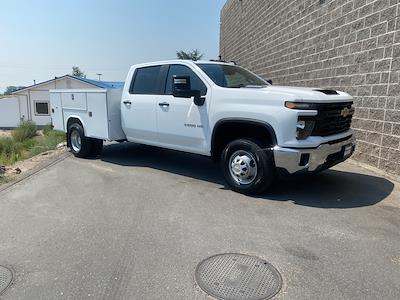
(33, 102)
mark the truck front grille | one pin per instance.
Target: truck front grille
(333, 118)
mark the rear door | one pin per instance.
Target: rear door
(182, 125)
(138, 107)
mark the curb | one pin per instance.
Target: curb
(35, 170)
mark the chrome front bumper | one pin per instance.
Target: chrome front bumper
(294, 160)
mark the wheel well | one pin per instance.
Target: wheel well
(69, 123)
(72, 121)
(228, 131)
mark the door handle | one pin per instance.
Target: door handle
(163, 104)
(127, 102)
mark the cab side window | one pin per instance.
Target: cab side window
(146, 81)
(181, 70)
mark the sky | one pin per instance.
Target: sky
(44, 38)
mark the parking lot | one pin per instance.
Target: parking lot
(134, 223)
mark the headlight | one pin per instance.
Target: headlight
(299, 105)
(305, 127)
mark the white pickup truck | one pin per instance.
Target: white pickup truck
(256, 130)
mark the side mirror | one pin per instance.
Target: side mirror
(182, 89)
(269, 81)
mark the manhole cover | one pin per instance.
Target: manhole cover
(5, 278)
(238, 277)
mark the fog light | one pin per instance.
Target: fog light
(301, 125)
(304, 159)
(305, 127)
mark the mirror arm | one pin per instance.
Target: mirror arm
(199, 101)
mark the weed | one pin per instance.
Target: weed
(25, 131)
(24, 144)
(10, 150)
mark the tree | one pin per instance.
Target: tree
(76, 71)
(191, 55)
(11, 89)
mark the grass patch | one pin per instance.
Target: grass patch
(48, 142)
(24, 131)
(24, 143)
(47, 129)
(10, 151)
(4, 179)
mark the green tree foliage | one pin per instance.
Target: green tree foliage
(190, 55)
(11, 89)
(76, 71)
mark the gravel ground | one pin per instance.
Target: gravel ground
(5, 133)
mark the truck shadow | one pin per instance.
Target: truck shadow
(329, 189)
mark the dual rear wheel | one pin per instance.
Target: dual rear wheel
(82, 146)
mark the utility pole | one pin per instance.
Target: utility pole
(99, 74)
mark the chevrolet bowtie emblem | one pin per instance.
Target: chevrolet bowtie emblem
(345, 112)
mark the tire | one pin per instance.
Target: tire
(81, 146)
(97, 147)
(247, 167)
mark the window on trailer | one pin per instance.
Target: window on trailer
(42, 108)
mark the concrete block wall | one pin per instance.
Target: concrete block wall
(350, 45)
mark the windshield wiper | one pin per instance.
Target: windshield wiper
(238, 86)
(251, 86)
(255, 86)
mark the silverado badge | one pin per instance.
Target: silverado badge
(345, 112)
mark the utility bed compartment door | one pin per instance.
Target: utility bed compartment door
(74, 101)
(97, 115)
(56, 111)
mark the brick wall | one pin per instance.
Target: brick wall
(350, 45)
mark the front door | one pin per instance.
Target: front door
(182, 125)
(138, 107)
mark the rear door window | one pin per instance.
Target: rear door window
(146, 81)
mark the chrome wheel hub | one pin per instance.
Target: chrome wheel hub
(243, 167)
(76, 142)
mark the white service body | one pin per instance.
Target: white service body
(99, 111)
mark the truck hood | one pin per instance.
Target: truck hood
(303, 94)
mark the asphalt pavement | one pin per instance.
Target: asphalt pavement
(134, 224)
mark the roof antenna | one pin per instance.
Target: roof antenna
(99, 74)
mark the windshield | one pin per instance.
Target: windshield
(232, 76)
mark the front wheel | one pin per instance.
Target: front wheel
(247, 167)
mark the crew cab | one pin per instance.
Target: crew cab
(256, 130)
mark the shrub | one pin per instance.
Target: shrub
(22, 145)
(25, 131)
(10, 150)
